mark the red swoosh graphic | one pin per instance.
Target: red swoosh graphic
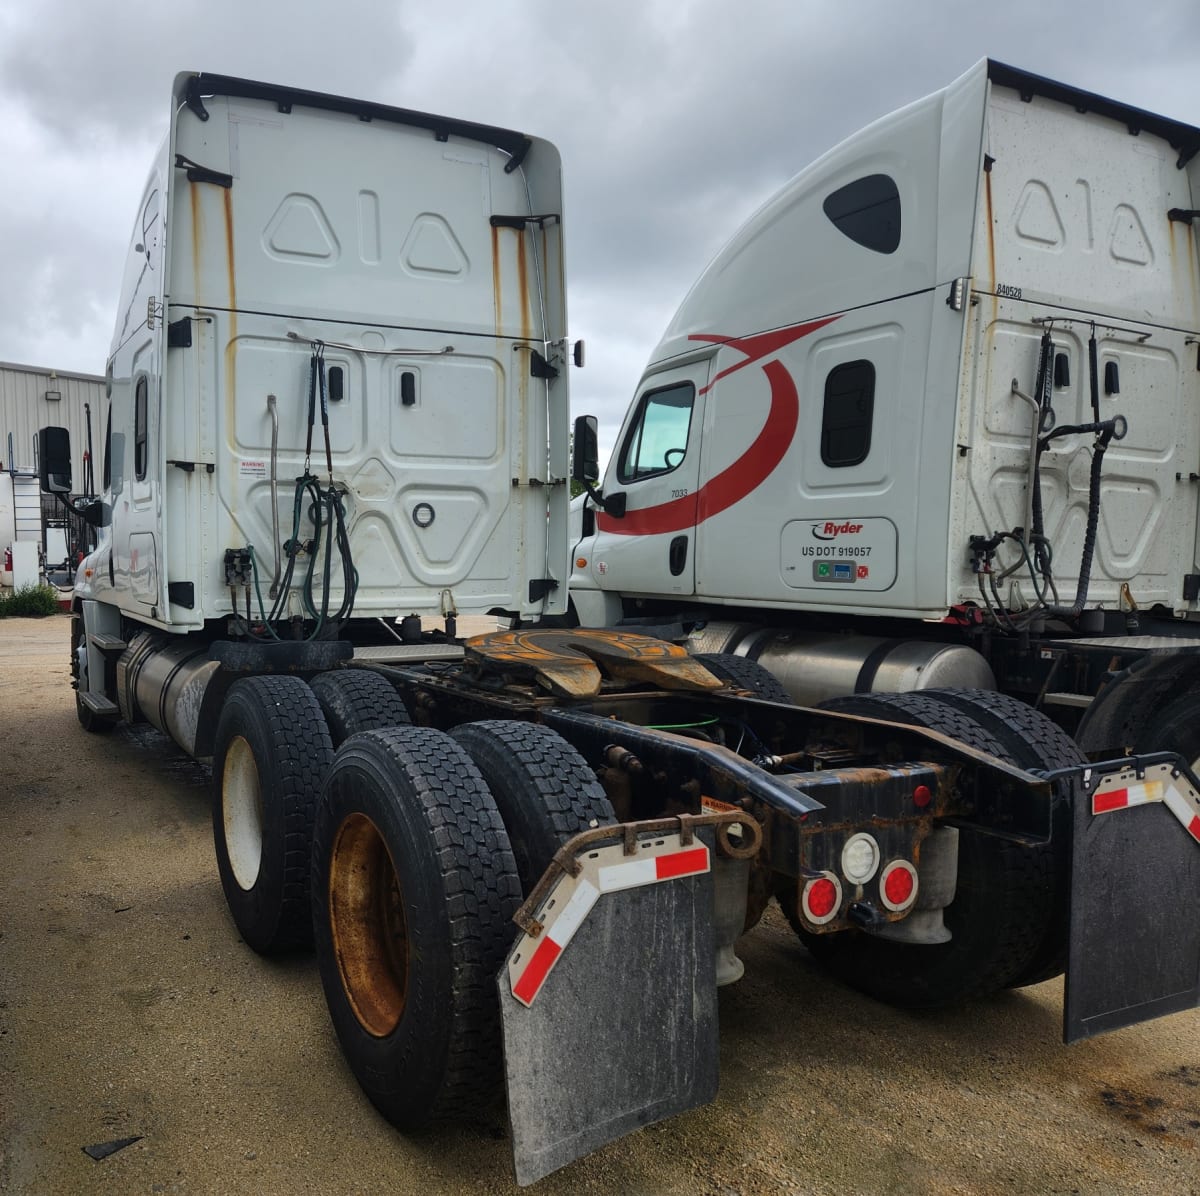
(759, 346)
(753, 467)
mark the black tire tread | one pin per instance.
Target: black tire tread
(745, 673)
(920, 710)
(543, 787)
(478, 880)
(1033, 741)
(302, 753)
(354, 700)
(1175, 728)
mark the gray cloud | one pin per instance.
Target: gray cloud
(675, 121)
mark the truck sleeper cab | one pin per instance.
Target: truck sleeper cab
(930, 418)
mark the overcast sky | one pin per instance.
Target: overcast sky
(675, 120)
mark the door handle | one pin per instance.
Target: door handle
(677, 556)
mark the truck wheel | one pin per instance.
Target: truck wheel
(270, 758)
(1030, 740)
(1176, 729)
(354, 700)
(997, 919)
(414, 888)
(543, 787)
(746, 674)
(89, 720)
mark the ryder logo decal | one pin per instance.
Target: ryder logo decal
(831, 531)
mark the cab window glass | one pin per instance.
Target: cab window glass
(139, 430)
(868, 212)
(106, 479)
(847, 414)
(658, 440)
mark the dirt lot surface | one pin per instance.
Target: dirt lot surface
(128, 1007)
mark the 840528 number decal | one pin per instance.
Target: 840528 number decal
(1007, 292)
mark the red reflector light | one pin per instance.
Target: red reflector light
(821, 899)
(898, 885)
(922, 795)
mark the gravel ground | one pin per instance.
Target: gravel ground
(129, 1007)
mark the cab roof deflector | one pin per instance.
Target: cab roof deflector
(1183, 138)
(516, 145)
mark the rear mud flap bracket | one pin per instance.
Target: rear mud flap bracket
(609, 1010)
(1135, 886)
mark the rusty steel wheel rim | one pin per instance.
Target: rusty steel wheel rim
(368, 926)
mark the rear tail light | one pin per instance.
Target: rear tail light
(821, 898)
(898, 885)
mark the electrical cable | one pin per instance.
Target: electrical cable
(330, 534)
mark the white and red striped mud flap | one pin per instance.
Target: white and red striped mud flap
(1124, 790)
(604, 870)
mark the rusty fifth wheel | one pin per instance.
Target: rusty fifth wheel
(271, 754)
(414, 888)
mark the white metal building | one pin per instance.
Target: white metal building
(33, 398)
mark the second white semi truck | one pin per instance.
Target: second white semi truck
(932, 418)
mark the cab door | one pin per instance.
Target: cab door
(136, 365)
(656, 467)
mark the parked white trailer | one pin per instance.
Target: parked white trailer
(339, 403)
(932, 417)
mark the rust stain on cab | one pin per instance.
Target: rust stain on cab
(991, 226)
(231, 343)
(523, 284)
(496, 277)
(1185, 266)
(197, 238)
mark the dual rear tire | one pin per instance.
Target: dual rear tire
(271, 756)
(396, 857)
(273, 749)
(424, 846)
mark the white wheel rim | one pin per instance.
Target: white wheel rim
(242, 813)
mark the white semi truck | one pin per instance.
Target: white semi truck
(932, 417)
(338, 404)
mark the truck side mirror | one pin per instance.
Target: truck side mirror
(585, 460)
(54, 460)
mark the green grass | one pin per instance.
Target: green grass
(30, 602)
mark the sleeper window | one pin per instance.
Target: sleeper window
(847, 414)
(868, 212)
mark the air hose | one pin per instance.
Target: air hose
(1105, 431)
(327, 512)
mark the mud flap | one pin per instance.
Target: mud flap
(1135, 887)
(610, 1010)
